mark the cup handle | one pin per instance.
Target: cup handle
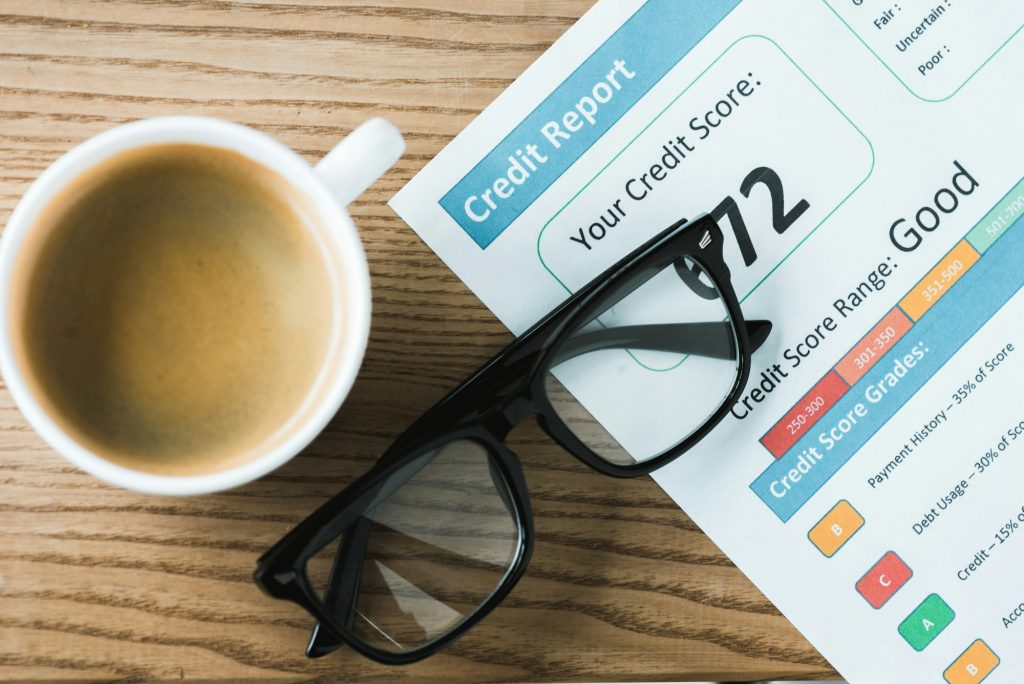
(360, 159)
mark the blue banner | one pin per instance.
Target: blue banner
(581, 109)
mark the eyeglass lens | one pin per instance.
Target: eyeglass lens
(426, 555)
(652, 369)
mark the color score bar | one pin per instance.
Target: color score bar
(914, 339)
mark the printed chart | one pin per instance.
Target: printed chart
(872, 381)
(930, 325)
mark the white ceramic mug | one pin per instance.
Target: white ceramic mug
(333, 183)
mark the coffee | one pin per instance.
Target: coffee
(178, 308)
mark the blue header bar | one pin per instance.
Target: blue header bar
(571, 119)
(791, 481)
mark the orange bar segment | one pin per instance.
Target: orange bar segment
(873, 346)
(939, 280)
(973, 665)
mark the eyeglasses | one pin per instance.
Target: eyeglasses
(435, 535)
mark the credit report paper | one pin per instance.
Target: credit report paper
(865, 161)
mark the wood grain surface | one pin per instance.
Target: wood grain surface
(98, 583)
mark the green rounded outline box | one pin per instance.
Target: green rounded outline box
(904, 83)
(657, 116)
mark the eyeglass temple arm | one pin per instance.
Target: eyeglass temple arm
(712, 339)
(342, 588)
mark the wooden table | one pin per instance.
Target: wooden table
(97, 583)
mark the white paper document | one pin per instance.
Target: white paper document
(865, 161)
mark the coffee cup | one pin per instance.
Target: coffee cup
(185, 302)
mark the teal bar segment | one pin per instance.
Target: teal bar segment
(998, 221)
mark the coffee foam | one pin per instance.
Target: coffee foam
(229, 396)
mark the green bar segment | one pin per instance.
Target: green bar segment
(926, 622)
(995, 223)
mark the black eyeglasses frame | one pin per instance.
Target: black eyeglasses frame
(485, 408)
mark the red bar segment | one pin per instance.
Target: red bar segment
(884, 579)
(873, 347)
(805, 414)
